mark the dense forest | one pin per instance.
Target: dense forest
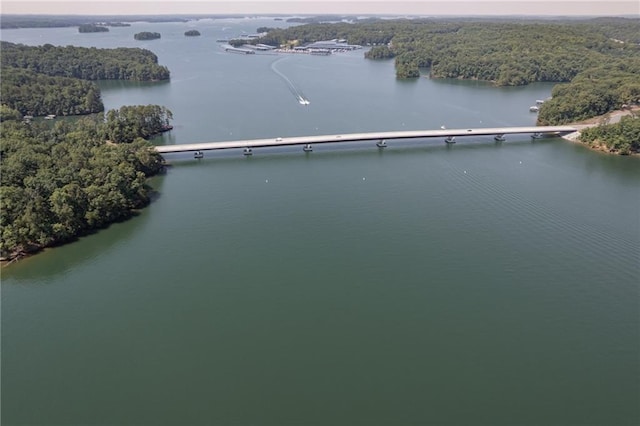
(92, 28)
(506, 53)
(35, 94)
(146, 35)
(59, 182)
(43, 80)
(139, 121)
(597, 59)
(622, 137)
(595, 91)
(85, 63)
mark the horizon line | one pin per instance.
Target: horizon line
(326, 7)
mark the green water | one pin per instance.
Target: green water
(478, 283)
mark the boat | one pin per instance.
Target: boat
(450, 139)
(499, 138)
(198, 154)
(534, 108)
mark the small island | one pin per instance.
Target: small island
(146, 35)
(192, 33)
(92, 28)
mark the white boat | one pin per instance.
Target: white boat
(450, 139)
(534, 108)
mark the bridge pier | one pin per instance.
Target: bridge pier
(381, 143)
(307, 148)
(247, 151)
(500, 137)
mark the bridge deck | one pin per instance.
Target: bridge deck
(352, 137)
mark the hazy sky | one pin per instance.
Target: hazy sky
(415, 7)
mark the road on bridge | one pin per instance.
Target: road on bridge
(352, 137)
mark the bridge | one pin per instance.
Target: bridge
(448, 136)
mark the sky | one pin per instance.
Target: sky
(391, 7)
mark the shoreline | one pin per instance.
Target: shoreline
(601, 120)
(571, 137)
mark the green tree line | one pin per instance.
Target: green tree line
(506, 53)
(60, 182)
(92, 28)
(596, 59)
(85, 63)
(146, 35)
(593, 92)
(622, 137)
(35, 94)
(139, 121)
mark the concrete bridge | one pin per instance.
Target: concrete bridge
(448, 135)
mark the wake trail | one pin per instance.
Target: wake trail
(297, 93)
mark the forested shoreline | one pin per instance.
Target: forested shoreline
(620, 138)
(92, 28)
(147, 35)
(44, 80)
(596, 61)
(36, 94)
(86, 63)
(63, 181)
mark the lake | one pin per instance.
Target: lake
(426, 283)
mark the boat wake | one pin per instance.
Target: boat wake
(295, 91)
